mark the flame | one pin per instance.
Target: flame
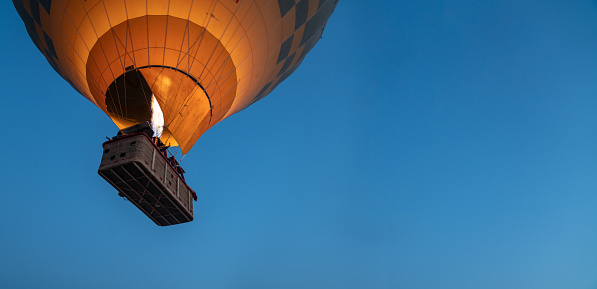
(157, 117)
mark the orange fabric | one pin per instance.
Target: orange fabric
(204, 60)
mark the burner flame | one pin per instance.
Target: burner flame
(157, 117)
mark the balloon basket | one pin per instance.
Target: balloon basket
(142, 173)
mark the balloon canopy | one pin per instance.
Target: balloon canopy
(202, 60)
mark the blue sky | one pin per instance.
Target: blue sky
(421, 144)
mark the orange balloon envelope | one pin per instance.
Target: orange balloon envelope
(202, 60)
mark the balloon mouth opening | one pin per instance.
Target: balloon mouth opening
(130, 101)
(169, 98)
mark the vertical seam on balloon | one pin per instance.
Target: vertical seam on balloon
(213, 52)
(223, 32)
(147, 28)
(187, 31)
(89, 50)
(64, 38)
(244, 34)
(178, 61)
(166, 46)
(224, 45)
(166, 32)
(204, 30)
(250, 53)
(201, 37)
(253, 48)
(72, 45)
(127, 34)
(128, 31)
(121, 63)
(236, 65)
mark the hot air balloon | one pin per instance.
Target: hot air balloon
(192, 63)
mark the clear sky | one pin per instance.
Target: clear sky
(421, 144)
